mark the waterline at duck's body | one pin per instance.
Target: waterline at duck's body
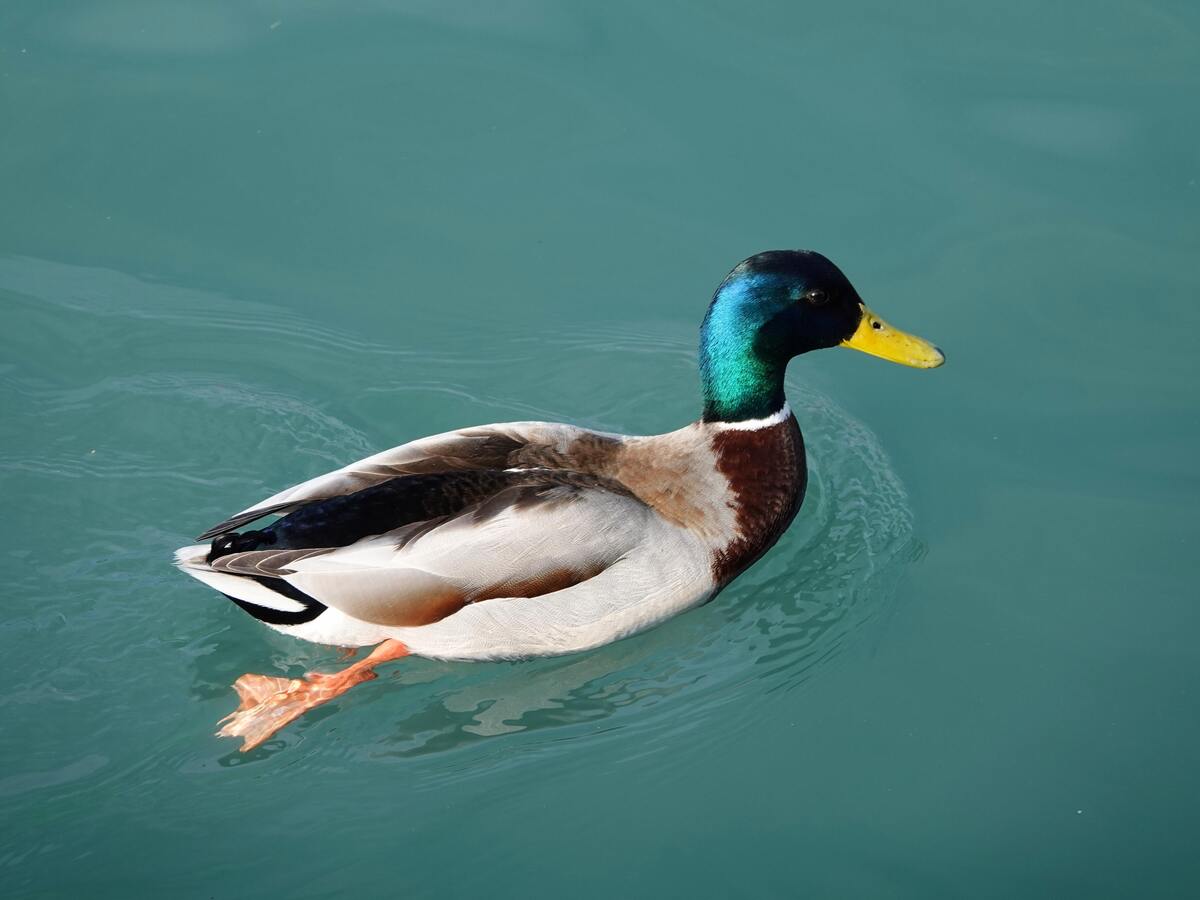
(534, 539)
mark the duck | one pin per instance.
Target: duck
(529, 539)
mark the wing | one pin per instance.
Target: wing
(488, 447)
(540, 532)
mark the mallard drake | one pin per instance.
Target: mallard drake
(532, 539)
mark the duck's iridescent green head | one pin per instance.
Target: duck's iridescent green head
(779, 304)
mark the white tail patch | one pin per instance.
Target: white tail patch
(192, 560)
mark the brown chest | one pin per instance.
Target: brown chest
(767, 476)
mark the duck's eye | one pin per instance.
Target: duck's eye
(816, 297)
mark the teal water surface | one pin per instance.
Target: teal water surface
(245, 243)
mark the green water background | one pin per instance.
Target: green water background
(242, 243)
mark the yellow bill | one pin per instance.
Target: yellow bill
(878, 338)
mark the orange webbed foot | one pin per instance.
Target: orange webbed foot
(269, 703)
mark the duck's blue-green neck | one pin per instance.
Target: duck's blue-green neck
(739, 378)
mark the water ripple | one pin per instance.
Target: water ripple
(199, 439)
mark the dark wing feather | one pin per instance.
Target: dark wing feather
(406, 506)
(490, 447)
(243, 518)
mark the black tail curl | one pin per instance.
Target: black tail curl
(232, 542)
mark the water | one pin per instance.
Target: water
(244, 243)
